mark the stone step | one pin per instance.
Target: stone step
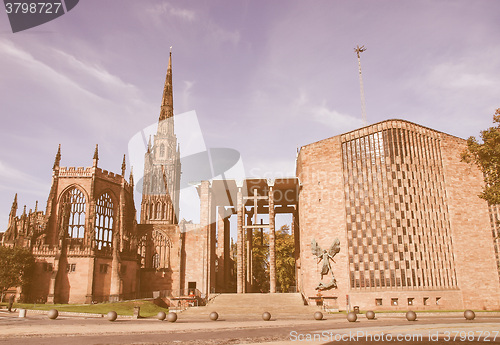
(258, 299)
(252, 305)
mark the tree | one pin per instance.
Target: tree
(16, 267)
(260, 259)
(486, 156)
(285, 260)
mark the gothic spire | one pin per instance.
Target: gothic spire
(58, 158)
(14, 207)
(96, 155)
(131, 178)
(167, 102)
(124, 166)
(149, 145)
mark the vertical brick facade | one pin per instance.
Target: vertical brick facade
(473, 241)
(406, 212)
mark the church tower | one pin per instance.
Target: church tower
(162, 167)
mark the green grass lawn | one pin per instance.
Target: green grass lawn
(148, 308)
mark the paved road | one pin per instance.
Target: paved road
(440, 329)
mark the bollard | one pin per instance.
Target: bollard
(112, 316)
(352, 317)
(161, 315)
(370, 315)
(172, 317)
(53, 314)
(137, 312)
(411, 316)
(469, 315)
(266, 316)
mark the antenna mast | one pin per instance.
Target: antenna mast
(359, 50)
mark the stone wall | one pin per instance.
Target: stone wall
(474, 254)
(433, 210)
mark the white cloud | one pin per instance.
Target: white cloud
(218, 36)
(43, 71)
(334, 119)
(97, 73)
(184, 99)
(11, 179)
(302, 100)
(322, 114)
(193, 25)
(461, 76)
(182, 13)
(81, 90)
(166, 8)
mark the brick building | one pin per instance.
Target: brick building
(405, 208)
(85, 242)
(88, 245)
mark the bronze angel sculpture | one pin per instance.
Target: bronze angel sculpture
(326, 256)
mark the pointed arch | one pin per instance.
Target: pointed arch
(104, 221)
(72, 213)
(158, 210)
(141, 250)
(161, 250)
(162, 150)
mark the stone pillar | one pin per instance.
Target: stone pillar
(272, 241)
(227, 253)
(212, 227)
(118, 231)
(90, 282)
(295, 233)
(52, 285)
(114, 291)
(204, 222)
(249, 239)
(221, 240)
(240, 278)
(207, 220)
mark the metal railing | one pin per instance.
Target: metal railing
(191, 297)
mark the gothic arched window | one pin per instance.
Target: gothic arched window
(73, 213)
(161, 250)
(141, 250)
(162, 150)
(104, 221)
(156, 260)
(158, 211)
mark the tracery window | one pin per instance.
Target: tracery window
(73, 213)
(104, 222)
(162, 150)
(161, 250)
(158, 210)
(141, 250)
(156, 260)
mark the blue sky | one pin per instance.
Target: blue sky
(264, 78)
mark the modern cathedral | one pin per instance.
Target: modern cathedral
(383, 217)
